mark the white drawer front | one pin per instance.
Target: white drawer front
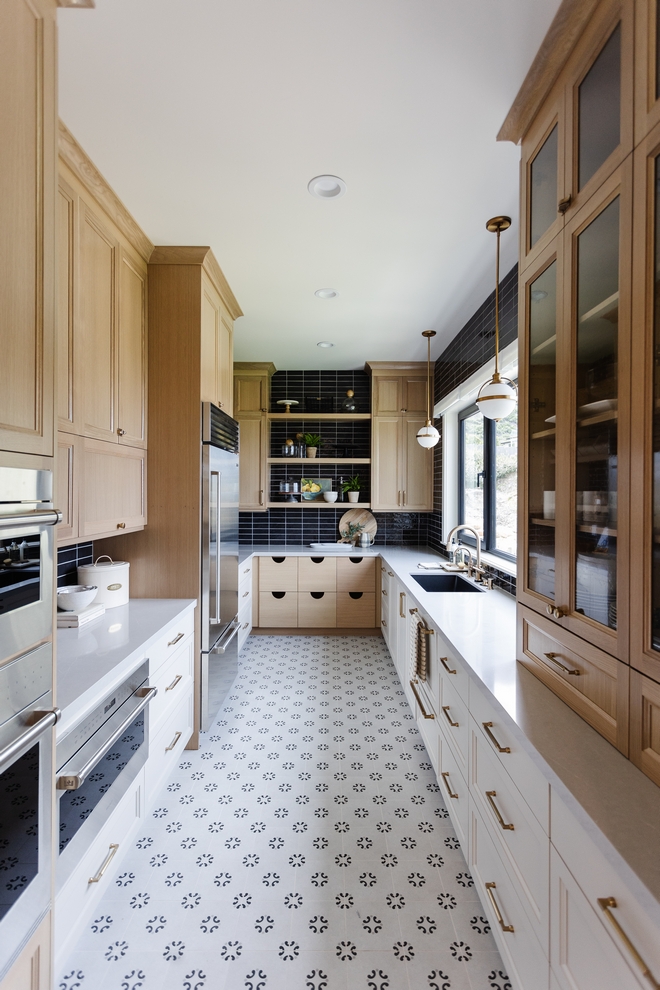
(511, 755)
(599, 881)
(167, 746)
(583, 955)
(78, 898)
(245, 570)
(523, 845)
(173, 679)
(172, 635)
(454, 670)
(245, 622)
(454, 721)
(454, 791)
(524, 959)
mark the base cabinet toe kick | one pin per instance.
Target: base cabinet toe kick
(561, 915)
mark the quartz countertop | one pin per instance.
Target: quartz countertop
(92, 660)
(616, 804)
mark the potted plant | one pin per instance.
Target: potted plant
(352, 488)
(312, 441)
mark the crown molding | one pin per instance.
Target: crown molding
(87, 173)
(256, 368)
(177, 255)
(396, 367)
(76, 3)
(568, 24)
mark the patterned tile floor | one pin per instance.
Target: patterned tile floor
(305, 845)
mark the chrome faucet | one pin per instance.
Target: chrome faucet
(457, 529)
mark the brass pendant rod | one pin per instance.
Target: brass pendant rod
(497, 305)
(428, 334)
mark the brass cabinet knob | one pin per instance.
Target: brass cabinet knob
(120, 432)
(121, 525)
(556, 612)
(564, 204)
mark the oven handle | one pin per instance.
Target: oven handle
(42, 720)
(233, 629)
(71, 782)
(40, 517)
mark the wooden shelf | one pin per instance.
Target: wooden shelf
(298, 416)
(604, 417)
(544, 433)
(604, 310)
(319, 460)
(321, 504)
(596, 530)
(543, 522)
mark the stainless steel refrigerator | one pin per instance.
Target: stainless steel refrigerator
(219, 604)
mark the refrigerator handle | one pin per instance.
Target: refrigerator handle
(224, 642)
(214, 538)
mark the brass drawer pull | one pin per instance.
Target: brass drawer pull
(245, 625)
(174, 683)
(413, 610)
(425, 714)
(567, 670)
(390, 573)
(121, 525)
(261, 496)
(245, 594)
(383, 592)
(610, 902)
(175, 640)
(445, 777)
(173, 743)
(443, 661)
(500, 749)
(402, 607)
(383, 623)
(490, 887)
(445, 709)
(505, 825)
(247, 570)
(114, 846)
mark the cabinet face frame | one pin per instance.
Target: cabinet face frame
(68, 334)
(642, 656)
(139, 270)
(619, 184)
(554, 253)
(601, 26)
(647, 102)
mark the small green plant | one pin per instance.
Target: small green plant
(312, 439)
(352, 485)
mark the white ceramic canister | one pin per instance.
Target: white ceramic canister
(110, 577)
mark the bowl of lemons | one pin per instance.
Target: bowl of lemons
(312, 488)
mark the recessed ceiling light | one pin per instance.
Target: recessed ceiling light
(324, 343)
(327, 186)
(326, 293)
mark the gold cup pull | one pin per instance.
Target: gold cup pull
(505, 825)
(606, 904)
(490, 887)
(443, 661)
(500, 749)
(552, 657)
(445, 777)
(114, 846)
(445, 709)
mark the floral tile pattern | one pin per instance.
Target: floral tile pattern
(304, 845)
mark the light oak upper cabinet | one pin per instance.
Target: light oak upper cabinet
(251, 405)
(27, 223)
(102, 352)
(217, 348)
(589, 484)
(402, 471)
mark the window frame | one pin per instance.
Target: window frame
(489, 484)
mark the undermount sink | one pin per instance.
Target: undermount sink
(444, 582)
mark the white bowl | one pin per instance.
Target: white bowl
(330, 496)
(76, 597)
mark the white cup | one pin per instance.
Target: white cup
(548, 505)
(330, 496)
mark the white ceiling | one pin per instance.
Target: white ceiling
(209, 118)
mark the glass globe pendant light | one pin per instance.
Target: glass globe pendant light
(428, 436)
(498, 396)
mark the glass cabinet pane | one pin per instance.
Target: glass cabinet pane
(655, 611)
(599, 109)
(542, 308)
(596, 417)
(543, 188)
(506, 482)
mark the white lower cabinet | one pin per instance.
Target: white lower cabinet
(454, 790)
(583, 955)
(166, 746)
(96, 870)
(524, 957)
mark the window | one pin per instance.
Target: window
(487, 480)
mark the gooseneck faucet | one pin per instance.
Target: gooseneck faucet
(477, 540)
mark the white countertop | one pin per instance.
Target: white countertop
(614, 801)
(92, 660)
(272, 550)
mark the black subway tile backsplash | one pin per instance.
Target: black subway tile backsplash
(68, 559)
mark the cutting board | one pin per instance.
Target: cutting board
(358, 517)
